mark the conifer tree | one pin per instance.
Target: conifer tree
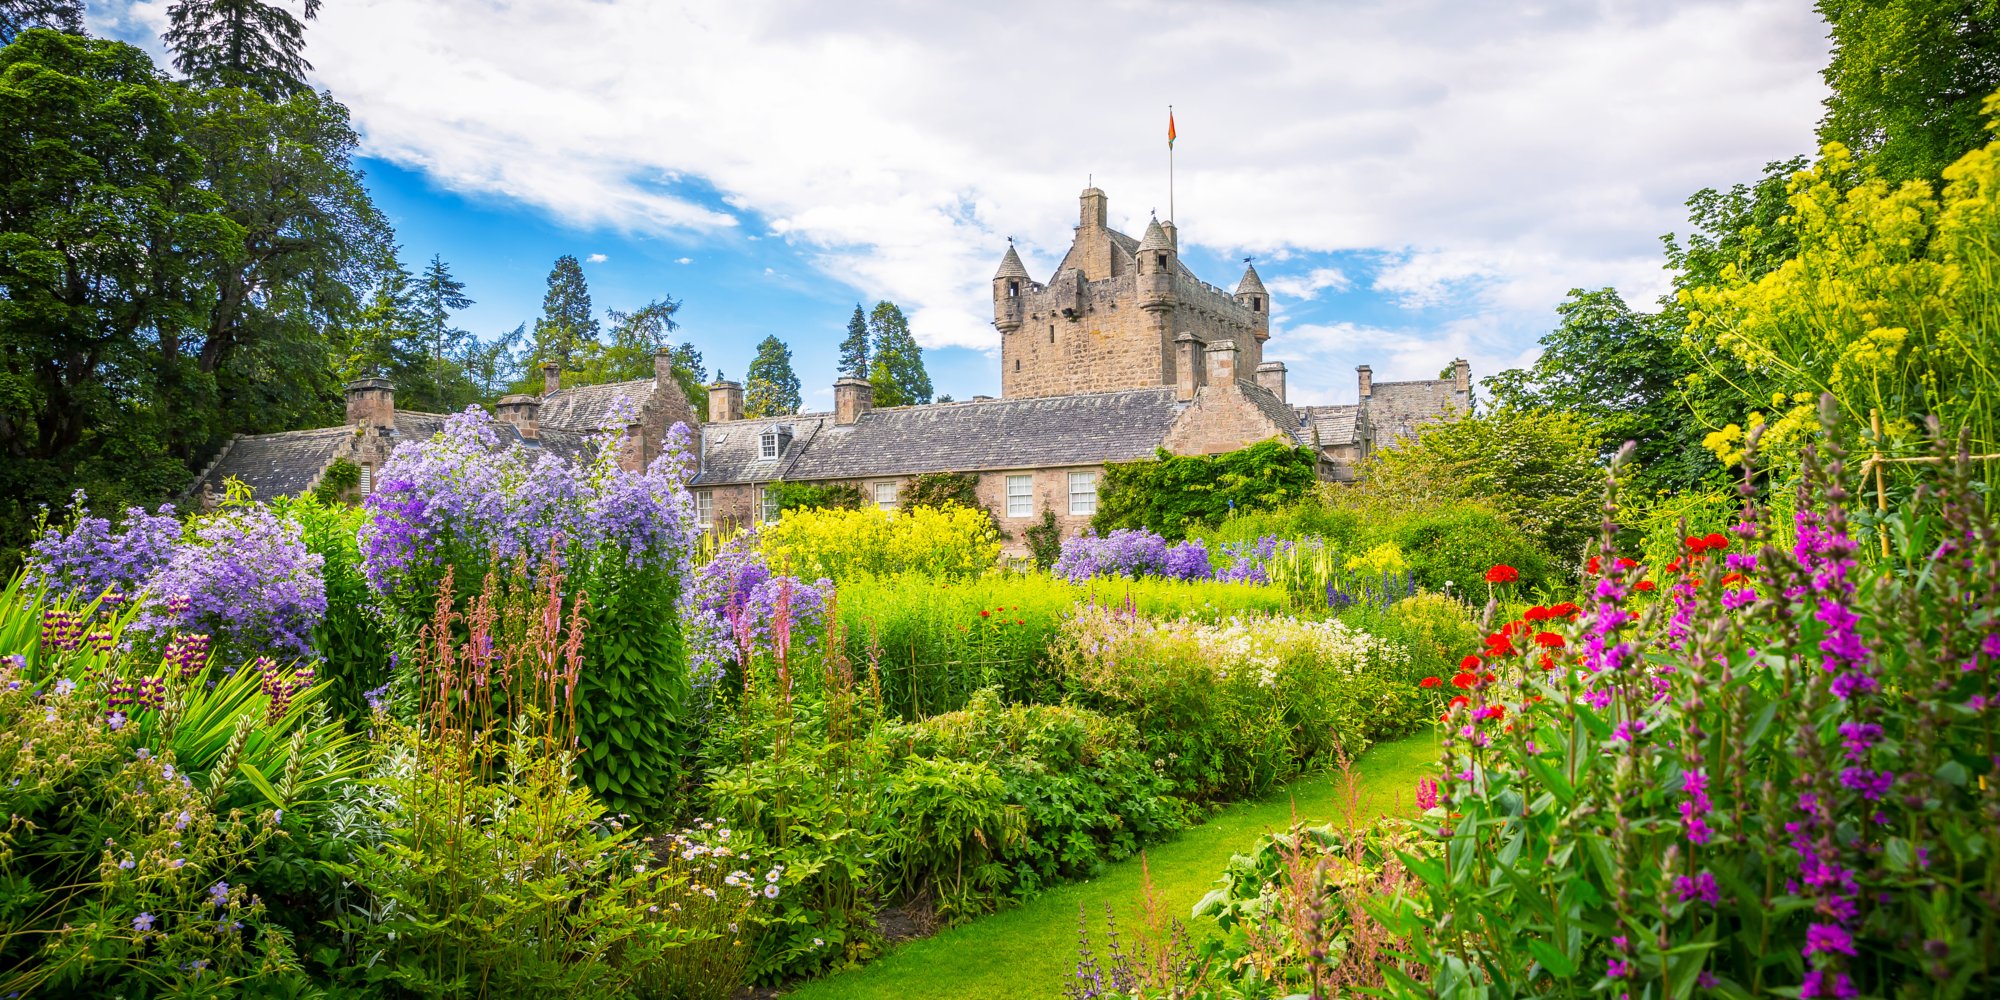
(898, 373)
(773, 389)
(240, 43)
(17, 16)
(854, 350)
(567, 326)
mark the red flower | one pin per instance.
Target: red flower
(1696, 543)
(983, 613)
(1624, 563)
(1646, 585)
(1497, 644)
(1733, 578)
(1429, 682)
(1675, 566)
(1488, 677)
(1460, 700)
(1538, 613)
(1565, 610)
(1463, 681)
(1594, 566)
(1502, 573)
(1471, 662)
(1495, 712)
(1547, 662)
(1717, 541)
(1549, 640)
(1020, 621)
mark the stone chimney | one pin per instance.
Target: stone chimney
(663, 368)
(1461, 375)
(1271, 375)
(1367, 376)
(523, 411)
(725, 402)
(1095, 210)
(371, 402)
(852, 397)
(1173, 235)
(1222, 364)
(551, 378)
(1187, 366)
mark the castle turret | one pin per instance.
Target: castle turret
(1010, 285)
(1157, 262)
(1250, 294)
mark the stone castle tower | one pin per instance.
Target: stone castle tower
(1121, 313)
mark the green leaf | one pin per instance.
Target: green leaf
(1551, 959)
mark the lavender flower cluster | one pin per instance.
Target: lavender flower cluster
(1132, 552)
(88, 557)
(247, 581)
(461, 500)
(736, 609)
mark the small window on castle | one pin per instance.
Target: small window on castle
(767, 505)
(1013, 289)
(704, 509)
(770, 445)
(1160, 259)
(1083, 492)
(1020, 496)
(1017, 364)
(367, 484)
(1052, 333)
(1256, 304)
(885, 496)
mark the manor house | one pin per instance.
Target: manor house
(1121, 353)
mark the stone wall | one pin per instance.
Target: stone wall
(1079, 336)
(1220, 419)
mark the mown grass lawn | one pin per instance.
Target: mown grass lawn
(1027, 951)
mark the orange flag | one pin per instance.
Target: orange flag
(1170, 128)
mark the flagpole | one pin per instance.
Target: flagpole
(1170, 163)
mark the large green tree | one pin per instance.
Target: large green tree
(1908, 78)
(898, 370)
(635, 337)
(243, 44)
(17, 16)
(567, 328)
(854, 349)
(773, 388)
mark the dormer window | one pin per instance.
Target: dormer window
(773, 442)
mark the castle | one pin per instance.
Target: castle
(1122, 353)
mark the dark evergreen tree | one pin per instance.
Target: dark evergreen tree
(567, 328)
(17, 16)
(692, 376)
(898, 371)
(773, 389)
(635, 337)
(240, 43)
(854, 350)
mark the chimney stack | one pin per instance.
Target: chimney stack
(663, 367)
(1095, 210)
(371, 402)
(1222, 364)
(551, 378)
(1187, 366)
(1271, 375)
(852, 397)
(523, 411)
(725, 401)
(1367, 380)
(1461, 375)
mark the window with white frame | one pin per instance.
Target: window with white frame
(767, 445)
(1020, 496)
(704, 509)
(885, 496)
(1083, 492)
(367, 484)
(767, 505)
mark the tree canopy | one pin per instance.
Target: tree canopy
(897, 373)
(244, 44)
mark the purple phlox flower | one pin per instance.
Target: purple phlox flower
(1695, 806)
(1828, 939)
(1859, 737)
(1872, 784)
(1700, 886)
(1824, 983)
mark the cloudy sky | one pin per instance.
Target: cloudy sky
(1418, 180)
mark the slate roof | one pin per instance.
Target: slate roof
(275, 465)
(1047, 432)
(1156, 238)
(1275, 409)
(1335, 424)
(1011, 266)
(1397, 409)
(1250, 282)
(584, 407)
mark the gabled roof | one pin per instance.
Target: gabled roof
(1275, 410)
(1046, 432)
(585, 407)
(1398, 409)
(1335, 424)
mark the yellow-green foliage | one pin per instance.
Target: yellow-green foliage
(1892, 304)
(948, 541)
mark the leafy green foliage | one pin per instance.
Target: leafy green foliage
(897, 374)
(636, 703)
(817, 496)
(1908, 78)
(1174, 494)
(772, 387)
(340, 476)
(353, 640)
(1045, 540)
(17, 16)
(940, 489)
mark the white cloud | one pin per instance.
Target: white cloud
(597, 258)
(683, 260)
(1499, 151)
(1306, 286)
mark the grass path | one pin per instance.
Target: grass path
(1025, 952)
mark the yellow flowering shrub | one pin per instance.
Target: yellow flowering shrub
(1891, 304)
(948, 541)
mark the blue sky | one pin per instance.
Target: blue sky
(1418, 179)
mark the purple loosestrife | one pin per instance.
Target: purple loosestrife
(88, 556)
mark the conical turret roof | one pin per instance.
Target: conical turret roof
(1156, 238)
(1250, 282)
(1010, 265)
